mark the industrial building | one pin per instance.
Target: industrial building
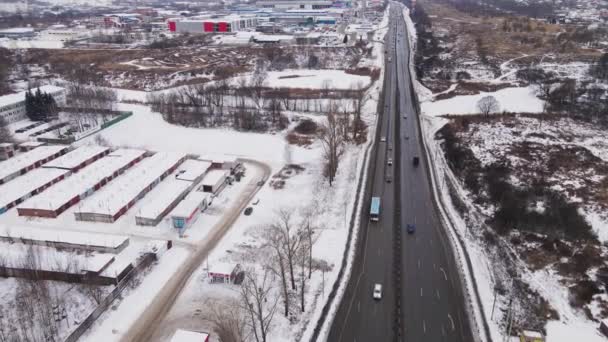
(188, 210)
(26, 186)
(166, 196)
(81, 184)
(78, 158)
(12, 106)
(18, 32)
(214, 181)
(108, 204)
(232, 23)
(24, 162)
(294, 4)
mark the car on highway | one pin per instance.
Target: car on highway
(377, 293)
(383, 139)
(390, 161)
(416, 161)
(248, 211)
(404, 116)
(411, 228)
(389, 178)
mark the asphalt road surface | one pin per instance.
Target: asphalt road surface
(432, 306)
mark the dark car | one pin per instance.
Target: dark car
(411, 228)
(248, 211)
(416, 161)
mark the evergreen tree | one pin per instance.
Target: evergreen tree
(345, 39)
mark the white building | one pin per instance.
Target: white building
(63, 33)
(12, 106)
(294, 4)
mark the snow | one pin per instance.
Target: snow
(161, 197)
(51, 259)
(21, 187)
(213, 177)
(129, 186)
(314, 79)
(63, 236)
(113, 324)
(75, 158)
(80, 183)
(186, 207)
(189, 336)
(517, 100)
(192, 169)
(27, 159)
(31, 44)
(560, 332)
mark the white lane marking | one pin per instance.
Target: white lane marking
(418, 263)
(442, 330)
(424, 326)
(444, 274)
(421, 292)
(431, 241)
(437, 292)
(359, 306)
(378, 251)
(434, 267)
(451, 322)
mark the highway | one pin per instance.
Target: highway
(422, 295)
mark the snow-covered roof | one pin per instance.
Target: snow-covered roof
(192, 169)
(23, 160)
(219, 267)
(162, 196)
(127, 187)
(52, 259)
(213, 177)
(32, 143)
(534, 334)
(23, 185)
(75, 158)
(63, 236)
(82, 181)
(10, 99)
(186, 207)
(189, 336)
(17, 30)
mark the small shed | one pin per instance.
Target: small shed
(189, 336)
(224, 273)
(214, 181)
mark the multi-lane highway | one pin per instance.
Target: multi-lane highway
(423, 281)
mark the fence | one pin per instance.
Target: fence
(66, 140)
(146, 260)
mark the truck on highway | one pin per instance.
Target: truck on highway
(374, 211)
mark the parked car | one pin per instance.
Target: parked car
(248, 211)
(411, 228)
(383, 139)
(416, 161)
(377, 293)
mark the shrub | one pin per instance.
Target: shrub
(306, 127)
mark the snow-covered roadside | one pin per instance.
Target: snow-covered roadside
(473, 308)
(323, 334)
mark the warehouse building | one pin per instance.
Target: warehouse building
(227, 24)
(188, 210)
(78, 158)
(294, 4)
(166, 196)
(12, 106)
(24, 187)
(18, 32)
(22, 163)
(114, 200)
(30, 145)
(81, 184)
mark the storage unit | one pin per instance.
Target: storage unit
(30, 145)
(22, 163)
(170, 192)
(24, 187)
(225, 273)
(7, 150)
(214, 181)
(80, 185)
(78, 158)
(188, 210)
(114, 200)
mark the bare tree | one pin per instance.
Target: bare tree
(332, 142)
(228, 319)
(487, 105)
(259, 302)
(359, 99)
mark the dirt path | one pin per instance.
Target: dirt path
(150, 321)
